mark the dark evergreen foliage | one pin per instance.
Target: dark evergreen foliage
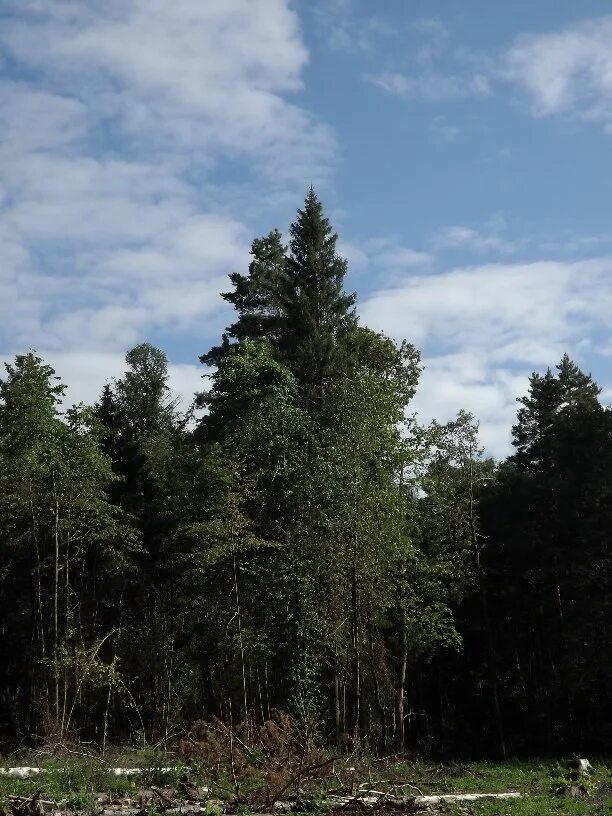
(317, 313)
(296, 302)
(256, 297)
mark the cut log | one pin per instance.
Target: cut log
(20, 773)
(579, 767)
(438, 799)
(408, 803)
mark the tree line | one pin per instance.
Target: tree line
(298, 541)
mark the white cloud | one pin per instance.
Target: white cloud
(465, 381)
(566, 72)
(438, 73)
(181, 74)
(356, 256)
(85, 373)
(386, 257)
(498, 304)
(444, 130)
(114, 120)
(462, 237)
(431, 86)
(483, 329)
(344, 30)
(401, 258)
(435, 37)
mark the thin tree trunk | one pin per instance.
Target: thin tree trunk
(244, 683)
(39, 604)
(492, 672)
(260, 695)
(400, 693)
(110, 684)
(400, 737)
(56, 570)
(491, 659)
(267, 689)
(336, 701)
(356, 658)
(67, 622)
(377, 695)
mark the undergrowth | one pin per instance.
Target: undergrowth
(254, 766)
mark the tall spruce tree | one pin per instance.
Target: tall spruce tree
(256, 297)
(550, 396)
(143, 441)
(297, 302)
(317, 312)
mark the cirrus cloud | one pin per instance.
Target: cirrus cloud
(566, 72)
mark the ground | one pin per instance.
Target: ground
(78, 783)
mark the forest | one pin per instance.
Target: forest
(299, 541)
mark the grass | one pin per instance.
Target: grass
(76, 781)
(536, 806)
(537, 779)
(526, 776)
(477, 777)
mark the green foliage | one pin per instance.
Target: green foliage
(535, 807)
(81, 802)
(55, 523)
(312, 801)
(317, 313)
(296, 302)
(299, 543)
(256, 297)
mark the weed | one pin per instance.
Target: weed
(81, 802)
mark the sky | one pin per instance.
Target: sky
(461, 150)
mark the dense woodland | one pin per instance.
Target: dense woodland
(298, 541)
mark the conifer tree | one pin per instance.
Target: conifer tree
(317, 312)
(297, 302)
(549, 397)
(61, 542)
(256, 297)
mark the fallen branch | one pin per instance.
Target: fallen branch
(437, 799)
(408, 803)
(299, 775)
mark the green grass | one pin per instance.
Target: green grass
(76, 781)
(478, 777)
(526, 776)
(536, 806)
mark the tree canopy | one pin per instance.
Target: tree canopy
(303, 542)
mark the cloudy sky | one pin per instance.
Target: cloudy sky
(462, 151)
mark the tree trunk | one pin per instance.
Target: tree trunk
(336, 702)
(356, 660)
(491, 657)
(400, 737)
(56, 570)
(492, 672)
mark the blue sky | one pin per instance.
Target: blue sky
(461, 150)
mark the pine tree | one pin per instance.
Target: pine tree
(549, 398)
(548, 518)
(296, 302)
(255, 297)
(143, 435)
(318, 313)
(142, 394)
